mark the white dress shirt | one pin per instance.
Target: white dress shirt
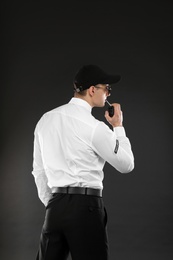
(71, 148)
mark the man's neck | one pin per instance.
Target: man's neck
(85, 98)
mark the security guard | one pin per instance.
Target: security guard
(70, 151)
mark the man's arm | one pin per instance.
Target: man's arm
(113, 146)
(44, 192)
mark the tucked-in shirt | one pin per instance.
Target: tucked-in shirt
(71, 147)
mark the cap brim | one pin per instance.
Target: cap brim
(112, 79)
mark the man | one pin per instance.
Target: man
(70, 150)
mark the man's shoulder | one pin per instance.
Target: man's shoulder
(48, 114)
(54, 111)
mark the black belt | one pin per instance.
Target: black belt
(78, 190)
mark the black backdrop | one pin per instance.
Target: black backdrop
(43, 44)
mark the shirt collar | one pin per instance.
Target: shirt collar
(81, 102)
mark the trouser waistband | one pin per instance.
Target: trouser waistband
(78, 190)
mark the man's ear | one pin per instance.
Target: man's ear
(91, 91)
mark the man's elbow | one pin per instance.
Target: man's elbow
(127, 167)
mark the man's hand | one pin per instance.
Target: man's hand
(117, 118)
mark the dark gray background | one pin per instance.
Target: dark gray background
(43, 44)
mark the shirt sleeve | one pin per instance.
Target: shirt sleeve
(114, 147)
(44, 192)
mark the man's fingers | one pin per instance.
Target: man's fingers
(117, 106)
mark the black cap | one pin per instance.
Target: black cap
(91, 75)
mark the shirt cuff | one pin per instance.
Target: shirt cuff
(119, 131)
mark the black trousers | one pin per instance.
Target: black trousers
(77, 224)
